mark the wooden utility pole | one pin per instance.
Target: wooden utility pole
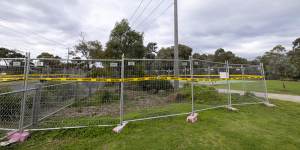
(176, 57)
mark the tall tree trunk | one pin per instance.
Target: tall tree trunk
(283, 84)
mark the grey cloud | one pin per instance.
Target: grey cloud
(51, 14)
(230, 21)
(247, 27)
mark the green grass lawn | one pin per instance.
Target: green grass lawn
(253, 127)
(292, 87)
(274, 86)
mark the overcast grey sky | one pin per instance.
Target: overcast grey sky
(246, 27)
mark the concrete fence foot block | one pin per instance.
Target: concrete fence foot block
(269, 105)
(192, 118)
(232, 108)
(120, 127)
(14, 137)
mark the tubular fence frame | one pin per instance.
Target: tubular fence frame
(189, 77)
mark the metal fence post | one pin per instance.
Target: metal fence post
(228, 84)
(208, 71)
(265, 82)
(23, 102)
(90, 89)
(36, 104)
(122, 91)
(192, 83)
(243, 78)
(76, 91)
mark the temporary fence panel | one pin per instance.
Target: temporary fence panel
(11, 93)
(245, 80)
(10, 108)
(151, 93)
(43, 94)
(256, 83)
(78, 92)
(208, 76)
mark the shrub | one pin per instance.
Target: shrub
(108, 97)
(102, 72)
(202, 94)
(98, 98)
(155, 85)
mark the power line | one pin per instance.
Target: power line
(142, 11)
(14, 49)
(36, 34)
(15, 31)
(23, 47)
(151, 13)
(134, 13)
(26, 36)
(162, 13)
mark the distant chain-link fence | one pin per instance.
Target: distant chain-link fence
(44, 94)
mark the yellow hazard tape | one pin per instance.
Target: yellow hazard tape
(38, 75)
(76, 75)
(134, 79)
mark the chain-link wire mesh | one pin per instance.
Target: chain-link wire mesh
(246, 82)
(11, 92)
(256, 86)
(11, 74)
(73, 93)
(10, 109)
(70, 97)
(209, 89)
(153, 94)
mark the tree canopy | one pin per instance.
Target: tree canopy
(124, 40)
(184, 52)
(294, 55)
(221, 56)
(88, 49)
(278, 64)
(7, 53)
(51, 61)
(151, 50)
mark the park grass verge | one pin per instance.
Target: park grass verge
(274, 86)
(253, 127)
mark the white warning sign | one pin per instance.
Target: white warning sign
(39, 64)
(131, 63)
(16, 64)
(113, 64)
(224, 75)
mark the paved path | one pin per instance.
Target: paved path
(284, 97)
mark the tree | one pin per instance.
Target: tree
(49, 59)
(89, 49)
(277, 52)
(282, 68)
(7, 53)
(256, 61)
(45, 55)
(151, 50)
(124, 40)
(278, 64)
(208, 57)
(168, 53)
(294, 55)
(221, 56)
(296, 44)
